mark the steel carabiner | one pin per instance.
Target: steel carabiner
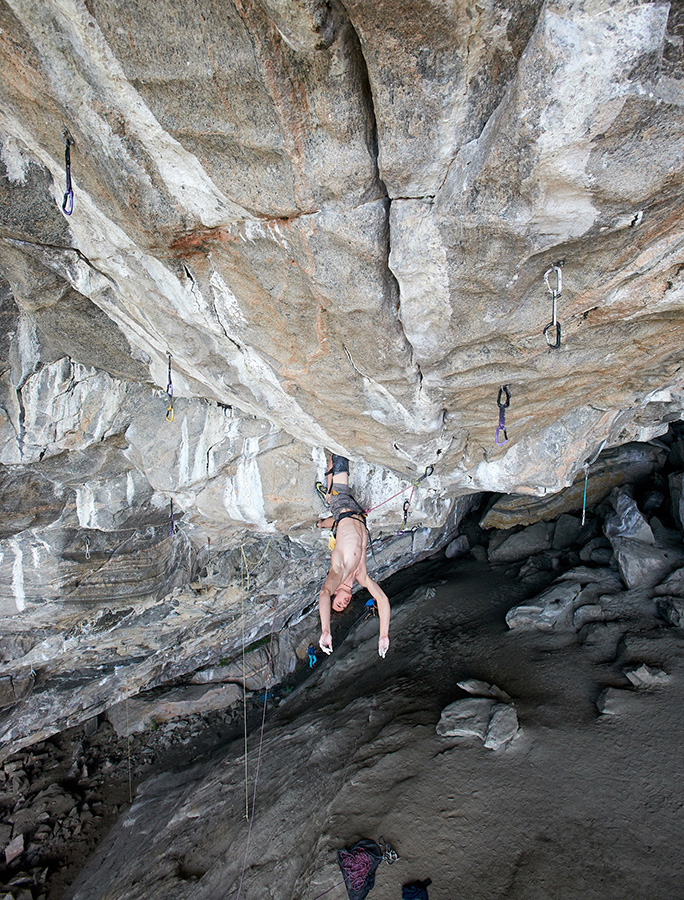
(553, 337)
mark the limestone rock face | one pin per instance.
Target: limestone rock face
(305, 225)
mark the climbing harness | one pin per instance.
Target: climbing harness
(587, 464)
(68, 202)
(169, 392)
(173, 528)
(552, 332)
(312, 656)
(503, 406)
(87, 548)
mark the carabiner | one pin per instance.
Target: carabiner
(553, 342)
(503, 406)
(426, 474)
(553, 338)
(169, 392)
(559, 280)
(68, 202)
(503, 390)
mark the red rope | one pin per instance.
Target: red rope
(402, 491)
(356, 866)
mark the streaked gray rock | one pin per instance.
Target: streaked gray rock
(643, 565)
(483, 689)
(672, 610)
(466, 718)
(551, 610)
(616, 701)
(457, 547)
(627, 521)
(492, 722)
(503, 726)
(646, 678)
(141, 713)
(525, 543)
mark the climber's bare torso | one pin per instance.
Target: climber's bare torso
(348, 563)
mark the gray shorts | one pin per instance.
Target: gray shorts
(343, 500)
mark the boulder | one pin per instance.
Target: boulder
(482, 689)
(551, 611)
(466, 718)
(566, 532)
(645, 678)
(673, 585)
(457, 547)
(643, 565)
(607, 579)
(627, 521)
(672, 610)
(522, 544)
(503, 726)
(615, 701)
(591, 546)
(14, 849)
(676, 485)
(492, 722)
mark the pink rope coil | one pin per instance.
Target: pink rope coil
(356, 866)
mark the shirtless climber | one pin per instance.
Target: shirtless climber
(348, 561)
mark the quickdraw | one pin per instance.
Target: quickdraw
(173, 528)
(552, 332)
(68, 202)
(587, 464)
(87, 548)
(169, 392)
(503, 406)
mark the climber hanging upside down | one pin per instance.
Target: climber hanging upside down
(348, 561)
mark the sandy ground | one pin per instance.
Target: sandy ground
(580, 805)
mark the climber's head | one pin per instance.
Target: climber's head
(341, 598)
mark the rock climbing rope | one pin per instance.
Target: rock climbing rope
(169, 392)
(258, 764)
(587, 464)
(68, 202)
(426, 474)
(552, 332)
(503, 405)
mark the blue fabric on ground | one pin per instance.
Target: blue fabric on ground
(416, 891)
